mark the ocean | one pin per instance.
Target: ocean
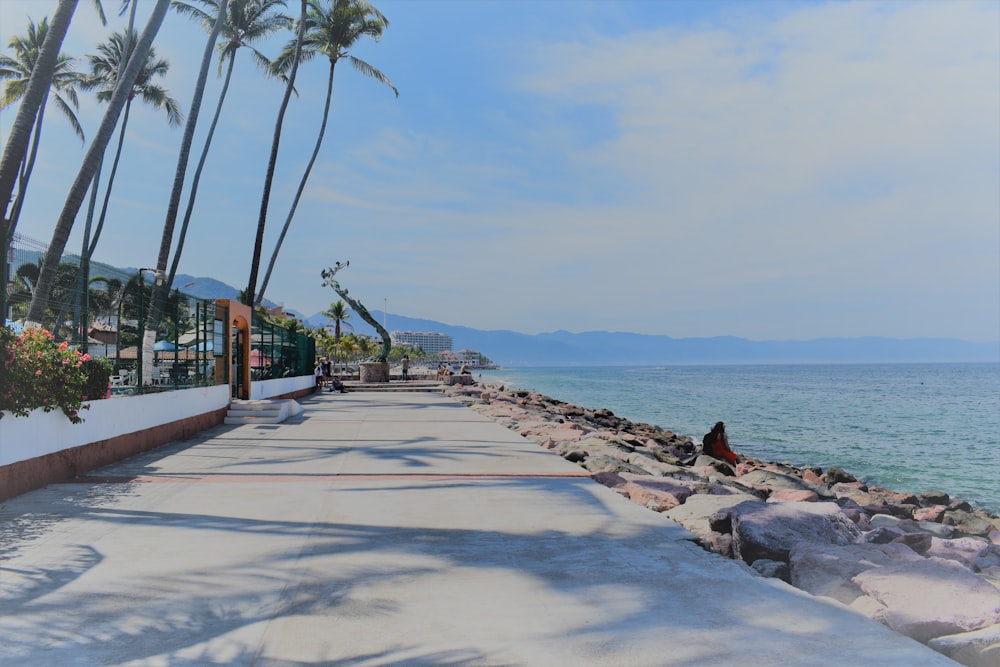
(906, 427)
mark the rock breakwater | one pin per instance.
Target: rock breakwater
(927, 565)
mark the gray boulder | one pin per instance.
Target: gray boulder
(696, 510)
(971, 523)
(774, 480)
(828, 570)
(774, 569)
(930, 598)
(770, 530)
(837, 475)
(718, 465)
(604, 463)
(964, 550)
(980, 648)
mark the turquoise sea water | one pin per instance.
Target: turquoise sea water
(907, 427)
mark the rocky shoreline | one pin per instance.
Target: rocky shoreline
(927, 565)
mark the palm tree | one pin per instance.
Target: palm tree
(330, 32)
(63, 287)
(34, 95)
(16, 71)
(106, 300)
(16, 150)
(251, 289)
(246, 23)
(105, 71)
(78, 190)
(166, 240)
(339, 313)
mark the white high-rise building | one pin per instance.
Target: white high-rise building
(430, 343)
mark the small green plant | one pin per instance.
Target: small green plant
(98, 372)
(37, 372)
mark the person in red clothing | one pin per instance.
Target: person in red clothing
(716, 444)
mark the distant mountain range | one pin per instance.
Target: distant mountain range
(606, 348)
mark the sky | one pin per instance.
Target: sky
(770, 170)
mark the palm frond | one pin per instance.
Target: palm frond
(372, 73)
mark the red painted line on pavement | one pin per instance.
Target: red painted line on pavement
(243, 478)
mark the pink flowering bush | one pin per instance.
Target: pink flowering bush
(37, 372)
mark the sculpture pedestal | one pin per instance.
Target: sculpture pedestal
(374, 371)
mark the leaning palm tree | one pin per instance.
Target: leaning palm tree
(162, 288)
(105, 71)
(272, 159)
(246, 23)
(35, 93)
(331, 32)
(16, 72)
(106, 67)
(15, 151)
(84, 177)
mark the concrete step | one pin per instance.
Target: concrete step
(262, 412)
(395, 386)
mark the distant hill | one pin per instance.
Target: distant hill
(604, 348)
(208, 288)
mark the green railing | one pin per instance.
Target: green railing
(104, 314)
(277, 352)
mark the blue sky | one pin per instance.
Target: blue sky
(773, 170)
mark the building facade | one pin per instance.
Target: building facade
(430, 343)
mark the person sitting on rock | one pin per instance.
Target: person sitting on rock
(716, 444)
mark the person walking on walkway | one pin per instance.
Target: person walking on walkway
(406, 367)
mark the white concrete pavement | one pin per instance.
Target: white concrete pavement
(387, 529)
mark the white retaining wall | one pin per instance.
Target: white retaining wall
(41, 433)
(262, 389)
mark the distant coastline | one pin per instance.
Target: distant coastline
(511, 349)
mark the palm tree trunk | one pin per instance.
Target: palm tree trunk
(197, 173)
(34, 95)
(162, 287)
(25, 121)
(92, 243)
(273, 159)
(302, 186)
(64, 225)
(83, 273)
(26, 168)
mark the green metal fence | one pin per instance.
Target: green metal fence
(277, 352)
(105, 315)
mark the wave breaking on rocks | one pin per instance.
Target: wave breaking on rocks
(927, 565)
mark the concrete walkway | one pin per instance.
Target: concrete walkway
(387, 529)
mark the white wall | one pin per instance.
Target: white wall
(41, 433)
(262, 389)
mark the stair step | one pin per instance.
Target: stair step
(262, 412)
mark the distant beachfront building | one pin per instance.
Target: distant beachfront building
(430, 343)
